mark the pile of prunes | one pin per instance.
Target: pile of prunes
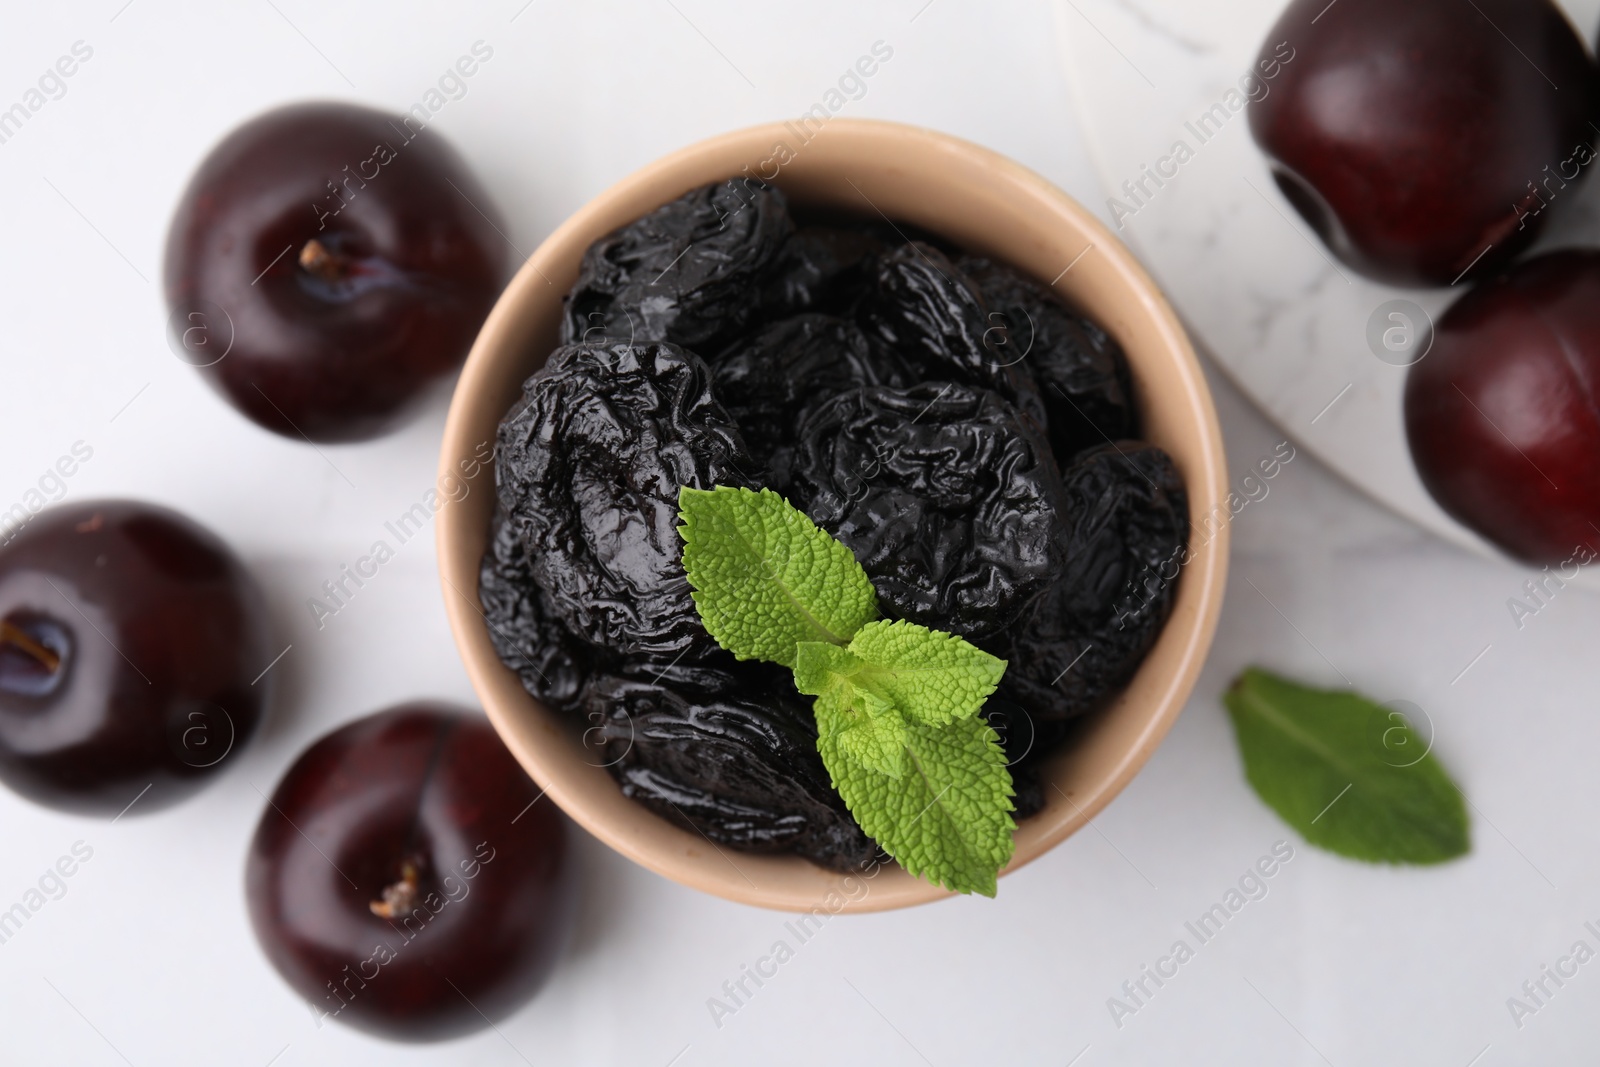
(972, 439)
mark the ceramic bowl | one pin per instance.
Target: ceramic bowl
(982, 202)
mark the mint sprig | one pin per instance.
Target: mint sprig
(897, 704)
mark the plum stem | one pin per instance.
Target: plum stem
(315, 258)
(400, 897)
(18, 638)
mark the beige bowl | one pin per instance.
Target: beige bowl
(983, 202)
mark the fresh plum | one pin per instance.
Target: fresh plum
(326, 263)
(1503, 414)
(132, 650)
(406, 880)
(1424, 139)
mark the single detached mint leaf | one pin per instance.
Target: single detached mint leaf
(948, 817)
(1331, 765)
(764, 578)
(930, 676)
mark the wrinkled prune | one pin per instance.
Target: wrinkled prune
(740, 766)
(1081, 374)
(552, 663)
(924, 309)
(591, 461)
(767, 379)
(1129, 518)
(690, 272)
(947, 495)
(821, 268)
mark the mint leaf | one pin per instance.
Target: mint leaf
(931, 676)
(948, 817)
(866, 728)
(1324, 761)
(764, 578)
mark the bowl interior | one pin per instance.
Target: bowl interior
(978, 200)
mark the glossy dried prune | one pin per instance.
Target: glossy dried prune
(740, 766)
(552, 662)
(821, 268)
(590, 464)
(947, 495)
(925, 310)
(1129, 519)
(767, 379)
(1081, 374)
(690, 272)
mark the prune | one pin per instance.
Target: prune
(1081, 374)
(740, 766)
(947, 495)
(770, 377)
(591, 461)
(926, 311)
(821, 268)
(1422, 139)
(1503, 415)
(552, 662)
(405, 878)
(1128, 515)
(339, 261)
(690, 272)
(133, 653)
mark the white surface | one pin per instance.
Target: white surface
(1283, 318)
(149, 952)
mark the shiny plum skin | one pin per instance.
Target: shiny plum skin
(338, 350)
(1414, 137)
(162, 638)
(469, 931)
(1503, 414)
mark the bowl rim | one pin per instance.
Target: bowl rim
(667, 849)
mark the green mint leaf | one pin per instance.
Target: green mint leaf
(864, 727)
(764, 578)
(948, 817)
(1349, 774)
(929, 676)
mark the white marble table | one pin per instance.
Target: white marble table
(147, 958)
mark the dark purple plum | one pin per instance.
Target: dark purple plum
(326, 264)
(406, 879)
(1425, 139)
(132, 646)
(1503, 414)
